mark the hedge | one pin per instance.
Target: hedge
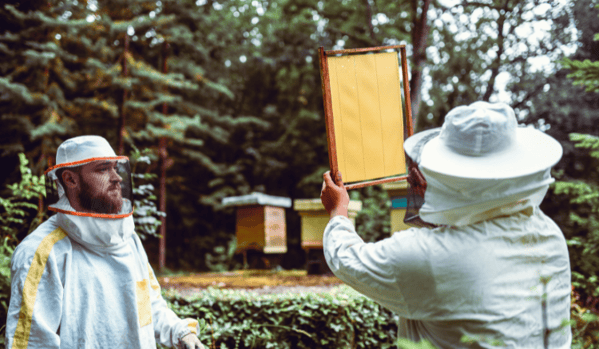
(341, 318)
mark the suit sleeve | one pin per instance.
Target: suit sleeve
(369, 268)
(35, 309)
(168, 328)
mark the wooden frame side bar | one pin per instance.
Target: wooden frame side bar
(328, 112)
(366, 49)
(406, 88)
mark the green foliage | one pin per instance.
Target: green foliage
(474, 44)
(585, 326)
(585, 73)
(584, 241)
(6, 251)
(373, 222)
(403, 343)
(15, 220)
(341, 319)
(563, 111)
(221, 258)
(146, 214)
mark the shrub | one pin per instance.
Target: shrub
(585, 326)
(16, 209)
(340, 319)
(373, 222)
(146, 215)
(582, 232)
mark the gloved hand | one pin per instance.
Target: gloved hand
(190, 341)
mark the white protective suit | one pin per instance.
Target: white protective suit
(67, 293)
(83, 282)
(477, 276)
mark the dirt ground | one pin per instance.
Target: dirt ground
(258, 281)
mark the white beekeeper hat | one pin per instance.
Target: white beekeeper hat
(483, 141)
(83, 148)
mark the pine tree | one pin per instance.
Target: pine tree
(583, 191)
(99, 68)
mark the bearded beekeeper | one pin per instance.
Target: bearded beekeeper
(481, 268)
(82, 278)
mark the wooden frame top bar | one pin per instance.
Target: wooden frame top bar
(362, 50)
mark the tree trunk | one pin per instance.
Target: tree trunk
(369, 20)
(163, 164)
(162, 203)
(420, 32)
(121, 134)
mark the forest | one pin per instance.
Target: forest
(219, 98)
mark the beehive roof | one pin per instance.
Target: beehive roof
(256, 198)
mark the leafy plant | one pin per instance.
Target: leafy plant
(237, 319)
(14, 219)
(403, 343)
(585, 73)
(146, 214)
(372, 222)
(585, 325)
(222, 258)
(584, 240)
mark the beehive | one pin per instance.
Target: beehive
(398, 194)
(260, 222)
(314, 219)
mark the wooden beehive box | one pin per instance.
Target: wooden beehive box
(260, 222)
(314, 219)
(398, 194)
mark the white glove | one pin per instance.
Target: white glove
(190, 341)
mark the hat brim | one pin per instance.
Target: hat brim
(413, 145)
(530, 152)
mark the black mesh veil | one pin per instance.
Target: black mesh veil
(416, 181)
(416, 189)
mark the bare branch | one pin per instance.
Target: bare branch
(364, 40)
(482, 4)
(529, 95)
(497, 63)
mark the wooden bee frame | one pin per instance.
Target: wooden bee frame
(364, 113)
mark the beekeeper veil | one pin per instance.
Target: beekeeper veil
(416, 182)
(90, 189)
(479, 165)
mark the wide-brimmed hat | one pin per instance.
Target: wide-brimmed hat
(483, 140)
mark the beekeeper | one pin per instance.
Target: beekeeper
(482, 269)
(82, 278)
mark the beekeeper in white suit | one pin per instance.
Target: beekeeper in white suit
(82, 278)
(482, 272)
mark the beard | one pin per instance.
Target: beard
(103, 202)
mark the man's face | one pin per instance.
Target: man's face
(100, 188)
